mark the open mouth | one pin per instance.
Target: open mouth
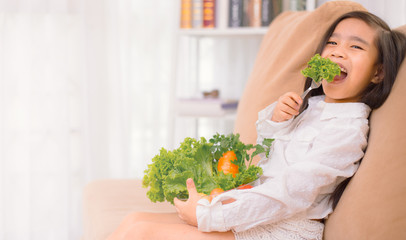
(342, 75)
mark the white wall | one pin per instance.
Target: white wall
(393, 11)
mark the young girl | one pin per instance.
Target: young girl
(313, 152)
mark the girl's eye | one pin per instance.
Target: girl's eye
(331, 43)
(357, 47)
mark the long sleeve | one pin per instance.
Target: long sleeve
(308, 164)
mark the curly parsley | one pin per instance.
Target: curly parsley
(321, 68)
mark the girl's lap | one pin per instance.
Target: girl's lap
(166, 226)
(176, 231)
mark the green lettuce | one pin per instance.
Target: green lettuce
(197, 159)
(321, 68)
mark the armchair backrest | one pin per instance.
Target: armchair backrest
(373, 204)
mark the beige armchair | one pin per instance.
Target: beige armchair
(374, 204)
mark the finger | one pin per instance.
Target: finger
(293, 102)
(296, 98)
(287, 103)
(285, 115)
(289, 109)
(191, 186)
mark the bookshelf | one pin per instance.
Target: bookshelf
(226, 32)
(195, 105)
(190, 52)
(190, 40)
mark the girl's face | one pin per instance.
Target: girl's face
(352, 46)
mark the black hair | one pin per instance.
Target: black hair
(391, 46)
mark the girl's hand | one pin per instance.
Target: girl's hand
(287, 107)
(187, 210)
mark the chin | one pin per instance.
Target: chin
(332, 96)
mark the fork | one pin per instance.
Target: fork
(305, 95)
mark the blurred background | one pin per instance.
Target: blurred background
(87, 92)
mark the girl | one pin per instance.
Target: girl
(313, 152)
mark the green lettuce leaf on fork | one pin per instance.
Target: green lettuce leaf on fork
(321, 68)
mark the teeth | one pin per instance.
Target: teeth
(343, 70)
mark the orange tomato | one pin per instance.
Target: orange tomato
(225, 164)
(205, 196)
(215, 192)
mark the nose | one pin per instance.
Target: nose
(337, 53)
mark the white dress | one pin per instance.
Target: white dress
(296, 228)
(311, 155)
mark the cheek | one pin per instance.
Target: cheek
(324, 54)
(365, 74)
(360, 84)
(326, 51)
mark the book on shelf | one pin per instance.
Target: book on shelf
(209, 13)
(228, 13)
(236, 13)
(267, 12)
(252, 13)
(197, 13)
(276, 9)
(186, 14)
(209, 107)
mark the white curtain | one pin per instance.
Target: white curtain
(83, 95)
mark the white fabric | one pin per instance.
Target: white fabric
(295, 228)
(311, 155)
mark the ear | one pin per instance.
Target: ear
(378, 76)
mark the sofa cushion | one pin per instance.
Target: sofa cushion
(373, 205)
(290, 42)
(107, 202)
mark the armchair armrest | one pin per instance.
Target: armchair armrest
(107, 202)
